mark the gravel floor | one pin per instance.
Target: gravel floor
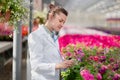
(6, 71)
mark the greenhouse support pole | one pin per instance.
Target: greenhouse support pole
(31, 16)
(17, 52)
(30, 30)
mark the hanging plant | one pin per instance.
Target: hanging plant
(12, 11)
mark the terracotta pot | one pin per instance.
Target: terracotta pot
(0, 14)
(7, 15)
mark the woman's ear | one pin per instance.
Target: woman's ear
(50, 15)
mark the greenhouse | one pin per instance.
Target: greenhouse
(59, 39)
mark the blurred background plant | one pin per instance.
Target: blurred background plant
(40, 14)
(12, 11)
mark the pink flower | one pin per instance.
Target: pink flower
(96, 58)
(99, 76)
(103, 69)
(102, 58)
(112, 60)
(86, 75)
(116, 77)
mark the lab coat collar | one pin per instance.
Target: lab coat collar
(48, 36)
(51, 40)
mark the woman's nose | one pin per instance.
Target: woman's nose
(62, 23)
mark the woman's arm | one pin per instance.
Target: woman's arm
(64, 64)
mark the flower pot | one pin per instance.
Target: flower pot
(7, 15)
(0, 14)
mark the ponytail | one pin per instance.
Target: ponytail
(56, 10)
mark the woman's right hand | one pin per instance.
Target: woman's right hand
(65, 64)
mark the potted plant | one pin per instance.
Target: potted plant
(11, 11)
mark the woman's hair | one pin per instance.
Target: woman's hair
(56, 10)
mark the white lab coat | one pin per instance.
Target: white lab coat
(44, 54)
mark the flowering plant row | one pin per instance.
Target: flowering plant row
(91, 40)
(96, 57)
(92, 63)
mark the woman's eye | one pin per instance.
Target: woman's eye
(60, 20)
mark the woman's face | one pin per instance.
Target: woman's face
(57, 21)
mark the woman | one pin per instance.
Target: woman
(45, 58)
